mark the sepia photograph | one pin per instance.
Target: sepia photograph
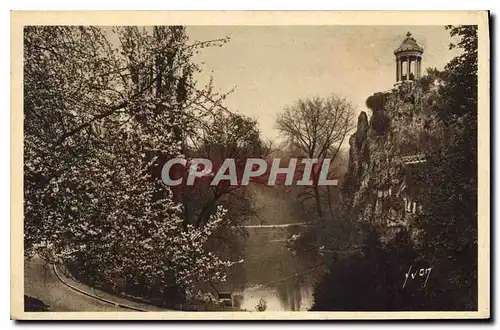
(313, 167)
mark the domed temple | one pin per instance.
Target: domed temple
(408, 60)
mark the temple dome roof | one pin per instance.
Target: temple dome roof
(408, 45)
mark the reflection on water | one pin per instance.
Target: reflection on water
(272, 273)
(297, 298)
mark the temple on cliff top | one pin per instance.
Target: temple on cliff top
(408, 59)
(388, 151)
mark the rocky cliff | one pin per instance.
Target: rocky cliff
(387, 152)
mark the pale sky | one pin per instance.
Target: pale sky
(273, 66)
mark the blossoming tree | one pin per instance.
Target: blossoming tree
(100, 106)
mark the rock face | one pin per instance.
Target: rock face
(387, 152)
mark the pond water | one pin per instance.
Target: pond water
(272, 273)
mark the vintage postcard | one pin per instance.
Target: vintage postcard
(250, 165)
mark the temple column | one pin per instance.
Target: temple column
(401, 69)
(408, 68)
(412, 70)
(405, 67)
(410, 61)
(401, 64)
(397, 69)
(419, 67)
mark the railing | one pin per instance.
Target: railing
(414, 159)
(283, 225)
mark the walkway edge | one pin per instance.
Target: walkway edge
(94, 296)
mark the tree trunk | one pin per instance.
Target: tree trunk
(330, 206)
(318, 202)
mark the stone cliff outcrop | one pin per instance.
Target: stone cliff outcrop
(387, 152)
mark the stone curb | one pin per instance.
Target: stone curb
(94, 296)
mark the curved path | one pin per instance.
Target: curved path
(63, 295)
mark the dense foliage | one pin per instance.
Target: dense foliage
(101, 107)
(450, 221)
(444, 236)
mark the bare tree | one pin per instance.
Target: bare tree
(317, 127)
